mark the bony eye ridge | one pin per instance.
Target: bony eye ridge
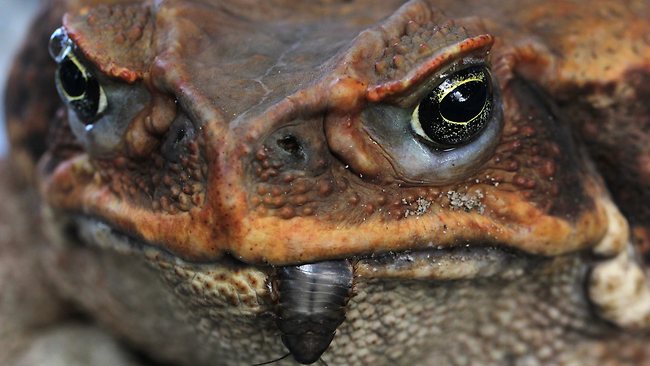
(457, 110)
(76, 84)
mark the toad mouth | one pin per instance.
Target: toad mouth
(309, 300)
(468, 261)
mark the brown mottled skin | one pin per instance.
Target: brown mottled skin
(269, 136)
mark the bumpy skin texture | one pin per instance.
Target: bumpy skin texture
(273, 134)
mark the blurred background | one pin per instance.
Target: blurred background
(15, 16)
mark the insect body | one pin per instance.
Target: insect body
(311, 305)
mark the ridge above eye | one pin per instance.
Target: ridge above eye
(457, 110)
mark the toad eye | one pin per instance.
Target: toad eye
(457, 110)
(100, 108)
(79, 88)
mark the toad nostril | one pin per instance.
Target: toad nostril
(291, 145)
(180, 135)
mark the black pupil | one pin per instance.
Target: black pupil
(72, 79)
(79, 89)
(462, 113)
(464, 102)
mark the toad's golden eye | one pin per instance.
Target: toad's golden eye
(80, 89)
(457, 110)
(75, 83)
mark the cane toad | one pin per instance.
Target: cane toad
(350, 182)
